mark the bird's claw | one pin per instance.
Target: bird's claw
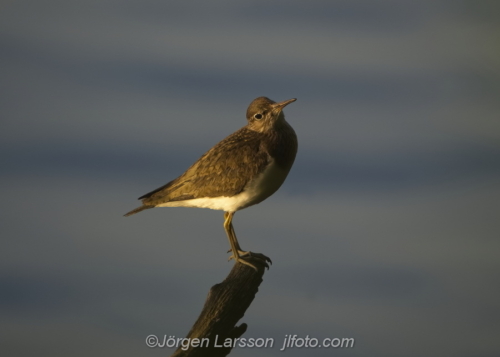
(263, 259)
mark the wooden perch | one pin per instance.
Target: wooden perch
(225, 305)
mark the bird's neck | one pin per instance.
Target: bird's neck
(281, 144)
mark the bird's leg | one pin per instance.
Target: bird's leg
(233, 242)
(243, 253)
(238, 248)
(238, 253)
(249, 254)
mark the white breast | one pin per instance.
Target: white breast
(258, 190)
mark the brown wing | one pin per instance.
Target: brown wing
(223, 171)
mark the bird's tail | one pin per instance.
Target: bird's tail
(137, 210)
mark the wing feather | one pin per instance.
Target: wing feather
(223, 171)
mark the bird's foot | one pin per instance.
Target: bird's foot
(242, 257)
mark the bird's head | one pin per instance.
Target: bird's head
(264, 114)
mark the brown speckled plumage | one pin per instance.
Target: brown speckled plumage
(230, 165)
(242, 170)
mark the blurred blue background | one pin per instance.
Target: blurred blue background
(386, 230)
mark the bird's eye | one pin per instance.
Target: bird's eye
(258, 116)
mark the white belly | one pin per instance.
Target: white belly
(261, 188)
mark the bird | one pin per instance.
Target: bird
(242, 170)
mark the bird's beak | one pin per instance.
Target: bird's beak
(278, 107)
